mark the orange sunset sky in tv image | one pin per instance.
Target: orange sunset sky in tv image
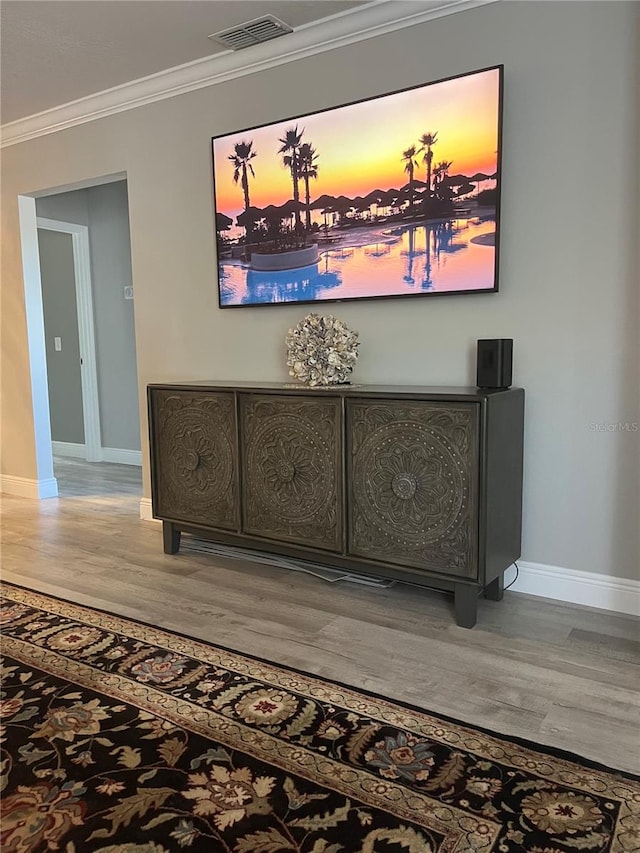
(360, 146)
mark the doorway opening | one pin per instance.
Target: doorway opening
(65, 272)
(81, 332)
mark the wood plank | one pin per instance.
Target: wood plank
(542, 670)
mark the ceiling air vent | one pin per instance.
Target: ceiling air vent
(253, 32)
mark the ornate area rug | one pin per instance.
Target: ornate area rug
(119, 737)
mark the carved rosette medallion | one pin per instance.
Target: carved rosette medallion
(413, 488)
(196, 471)
(290, 466)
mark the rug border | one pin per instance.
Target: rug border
(546, 749)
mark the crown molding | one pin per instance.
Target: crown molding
(374, 19)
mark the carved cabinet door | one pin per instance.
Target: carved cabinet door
(291, 464)
(413, 474)
(195, 458)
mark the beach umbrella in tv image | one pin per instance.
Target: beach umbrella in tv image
(271, 213)
(461, 184)
(395, 199)
(289, 209)
(249, 216)
(326, 205)
(223, 222)
(480, 177)
(247, 220)
(342, 206)
(360, 205)
(379, 198)
(323, 201)
(457, 181)
(413, 192)
(463, 189)
(375, 196)
(326, 211)
(272, 217)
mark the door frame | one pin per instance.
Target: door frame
(86, 331)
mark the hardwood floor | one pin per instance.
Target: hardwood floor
(558, 674)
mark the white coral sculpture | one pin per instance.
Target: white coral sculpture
(321, 350)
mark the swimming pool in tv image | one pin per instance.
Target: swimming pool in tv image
(449, 256)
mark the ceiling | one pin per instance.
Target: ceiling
(56, 51)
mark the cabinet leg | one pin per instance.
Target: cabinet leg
(495, 590)
(170, 538)
(466, 605)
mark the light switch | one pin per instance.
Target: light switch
(57, 344)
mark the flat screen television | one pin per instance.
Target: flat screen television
(393, 196)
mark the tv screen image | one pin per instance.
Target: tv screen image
(392, 196)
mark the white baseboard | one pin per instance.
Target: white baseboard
(123, 457)
(106, 454)
(25, 488)
(146, 510)
(587, 588)
(68, 448)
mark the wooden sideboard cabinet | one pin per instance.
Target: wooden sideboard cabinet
(421, 485)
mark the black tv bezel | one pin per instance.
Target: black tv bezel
(295, 118)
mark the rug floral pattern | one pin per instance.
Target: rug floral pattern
(121, 737)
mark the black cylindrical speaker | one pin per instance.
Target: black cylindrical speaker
(494, 363)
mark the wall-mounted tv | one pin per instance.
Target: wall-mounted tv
(397, 195)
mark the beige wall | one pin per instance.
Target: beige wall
(569, 278)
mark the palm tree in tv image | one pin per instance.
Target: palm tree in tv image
(427, 141)
(308, 171)
(441, 186)
(241, 158)
(410, 165)
(290, 148)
